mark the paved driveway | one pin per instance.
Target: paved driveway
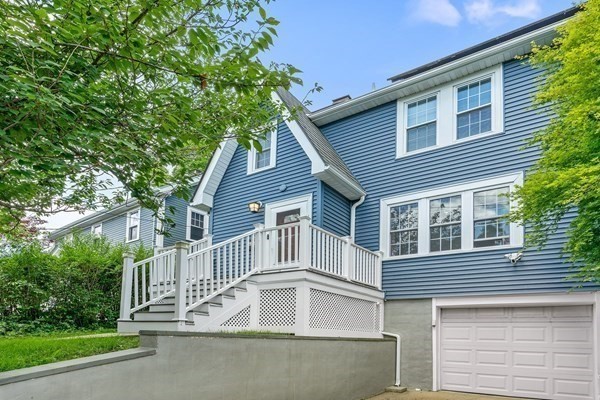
(412, 395)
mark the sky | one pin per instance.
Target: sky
(351, 46)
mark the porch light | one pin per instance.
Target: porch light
(255, 206)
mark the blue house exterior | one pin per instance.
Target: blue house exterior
(420, 170)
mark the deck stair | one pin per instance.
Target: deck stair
(267, 271)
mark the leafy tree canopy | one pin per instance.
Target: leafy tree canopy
(567, 176)
(140, 90)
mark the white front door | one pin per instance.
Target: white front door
(532, 352)
(284, 240)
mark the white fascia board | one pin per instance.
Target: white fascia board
(336, 180)
(317, 164)
(203, 197)
(469, 64)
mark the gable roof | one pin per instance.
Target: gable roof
(326, 164)
(321, 145)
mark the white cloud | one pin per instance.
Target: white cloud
(484, 11)
(437, 11)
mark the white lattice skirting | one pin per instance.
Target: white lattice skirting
(307, 307)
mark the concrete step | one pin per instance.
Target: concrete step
(395, 389)
(153, 316)
(136, 326)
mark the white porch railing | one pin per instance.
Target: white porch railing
(194, 246)
(197, 272)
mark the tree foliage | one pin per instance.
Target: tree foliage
(567, 176)
(139, 91)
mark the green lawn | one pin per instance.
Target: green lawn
(27, 351)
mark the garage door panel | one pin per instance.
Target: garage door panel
(491, 334)
(572, 388)
(457, 334)
(574, 362)
(572, 334)
(495, 358)
(530, 359)
(546, 359)
(496, 382)
(457, 357)
(529, 385)
(531, 334)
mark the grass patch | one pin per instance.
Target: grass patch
(27, 351)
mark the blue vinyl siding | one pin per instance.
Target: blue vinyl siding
(230, 216)
(367, 143)
(335, 211)
(179, 216)
(115, 228)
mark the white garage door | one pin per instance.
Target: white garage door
(533, 352)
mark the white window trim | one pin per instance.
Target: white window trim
(403, 124)
(95, 225)
(128, 219)
(466, 190)
(447, 108)
(272, 161)
(188, 224)
(304, 203)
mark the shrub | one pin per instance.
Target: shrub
(77, 289)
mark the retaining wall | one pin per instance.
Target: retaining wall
(203, 366)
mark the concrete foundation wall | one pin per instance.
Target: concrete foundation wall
(225, 367)
(411, 319)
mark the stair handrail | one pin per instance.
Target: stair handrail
(221, 266)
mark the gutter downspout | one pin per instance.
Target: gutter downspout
(353, 215)
(398, 354)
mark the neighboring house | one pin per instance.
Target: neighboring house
(405, 190)
(135, 225)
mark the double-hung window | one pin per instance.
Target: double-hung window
(133, 225)
(96, 229)
(445, 228)
(263, 158)
(404, 229)
(196, 224)
(490, 221)
(455, 112)
(474, 108)
(466, 217)
(421, 124)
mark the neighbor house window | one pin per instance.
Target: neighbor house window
(133, 225)
(196, 224)
(466, 217)
(263, 158)
(474, 108)
(404, 232)
(445, 223)
(97, 229)
(490, 222)
(421, 124)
